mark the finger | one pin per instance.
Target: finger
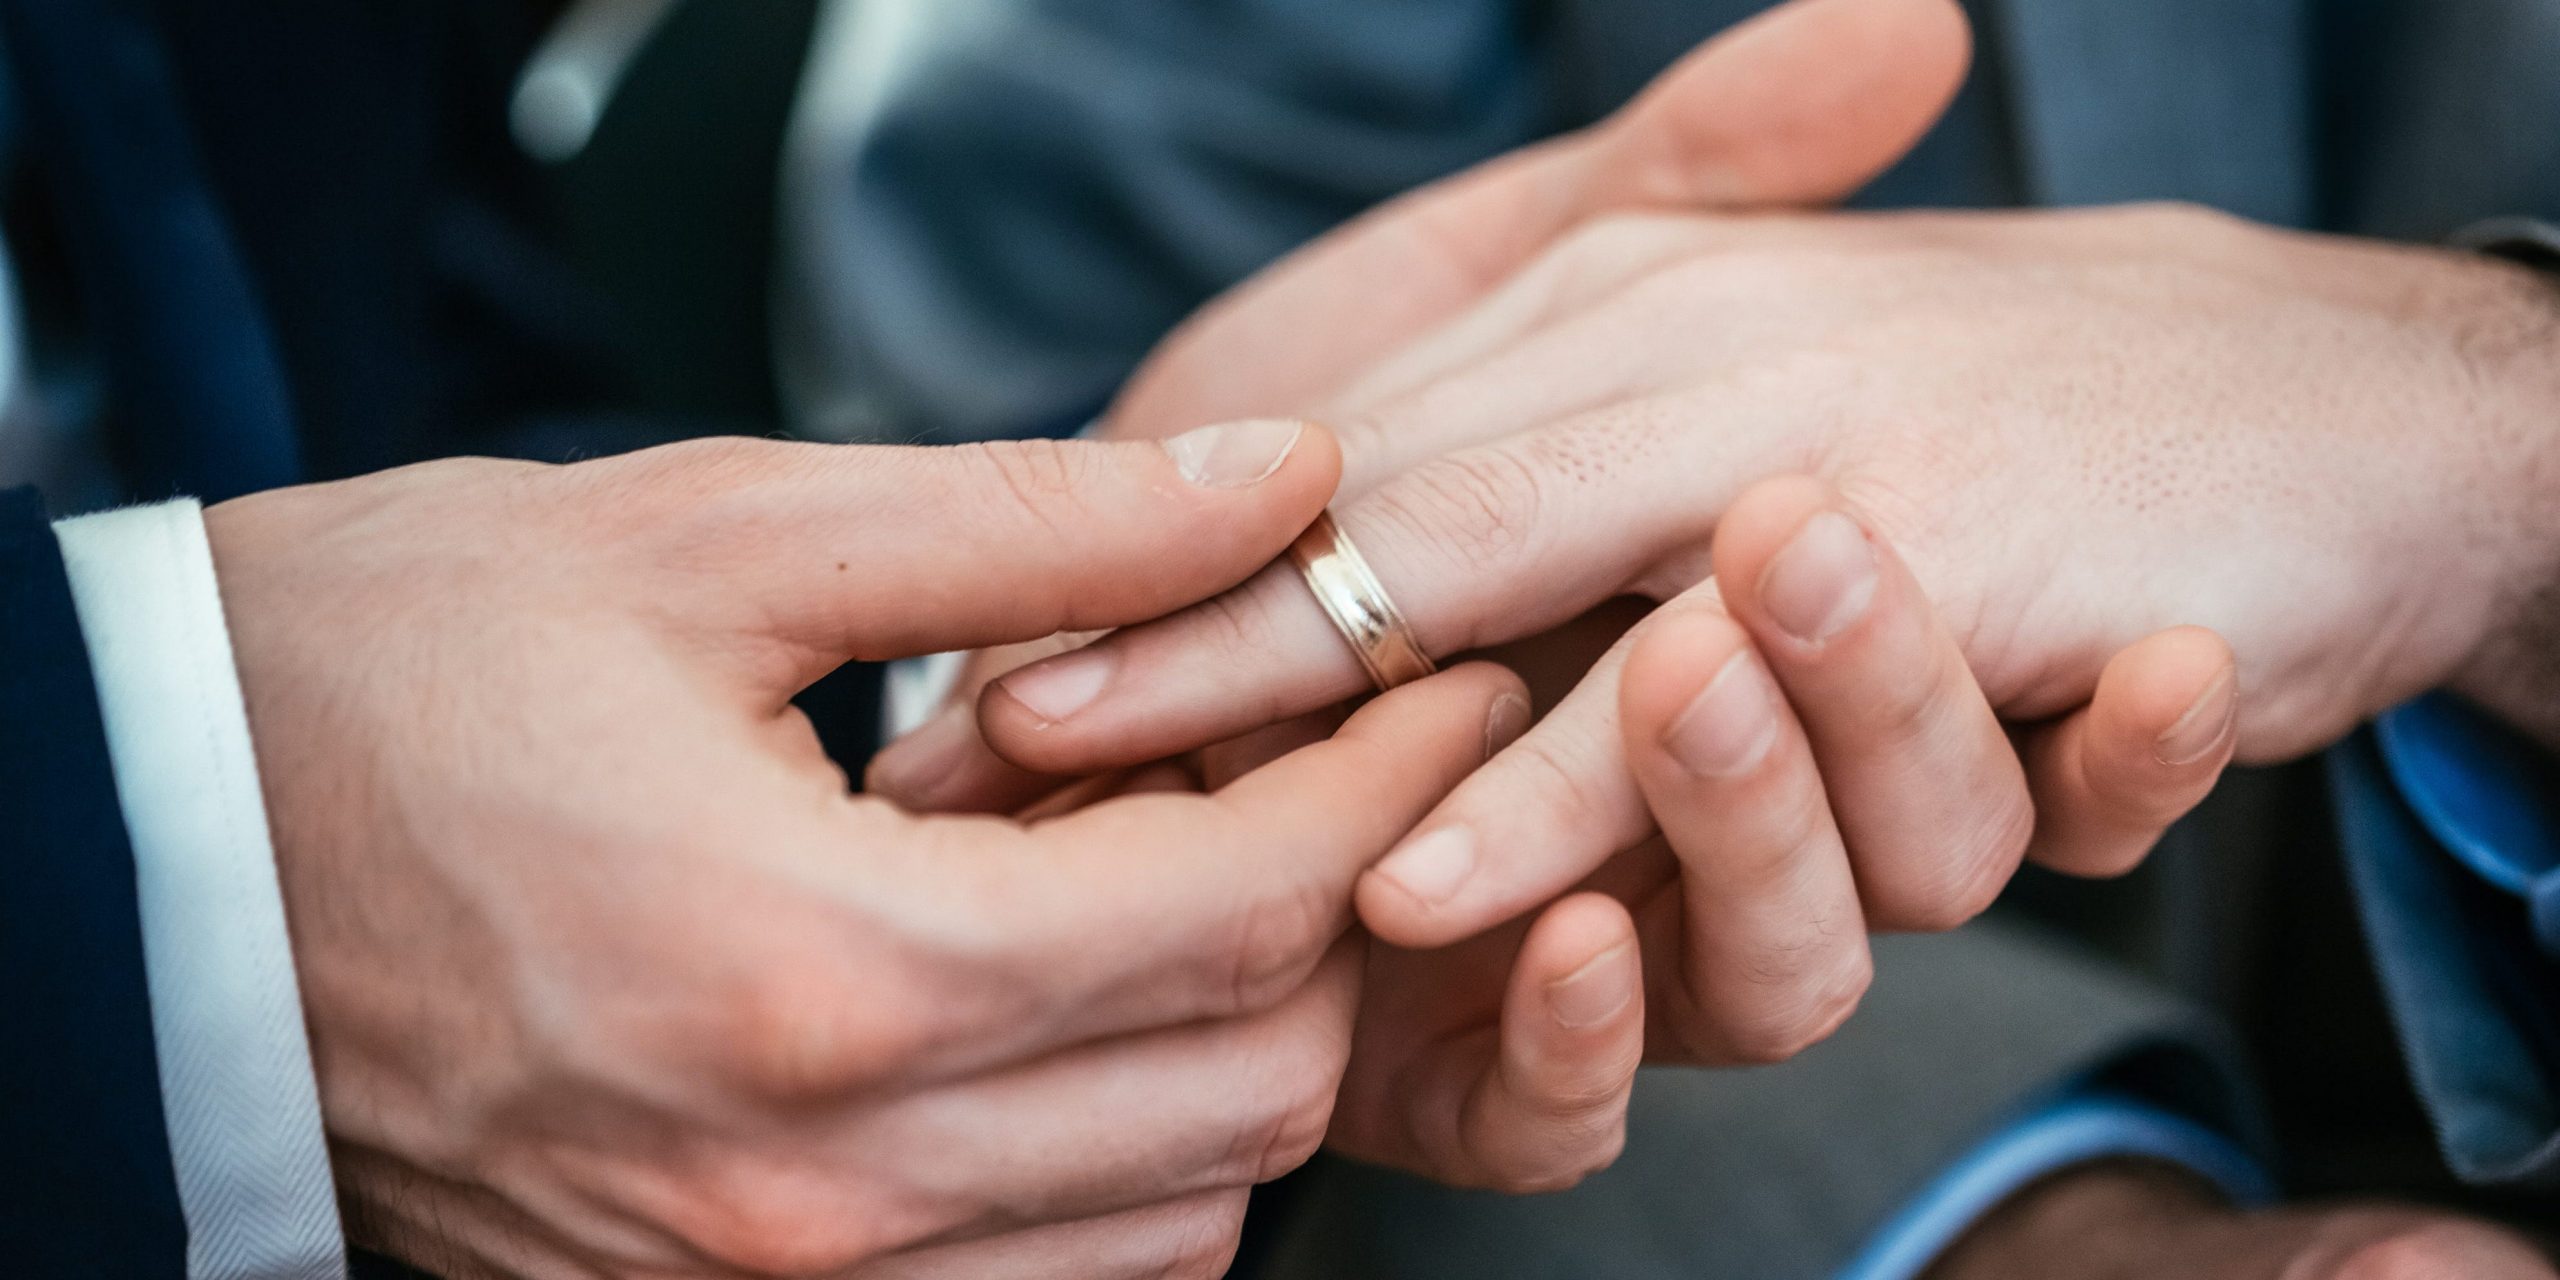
(1219, 904)
(1797, 106)
(1127, 1121)
(1192, 1238)
(1475, 548)
(2109, 778)
(2389, 1243)
(1090, 1130)
(1539, 817)
(1773, 941)
(1166, 777)
(1542, 1104)
(941, 766)
(807, 556)
(1225, 762)
(1923, 780)
(464, 1231)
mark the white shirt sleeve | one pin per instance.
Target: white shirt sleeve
(915, 690)
(236, 1082)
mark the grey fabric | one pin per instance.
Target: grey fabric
(1783, 1172)
(992, 208)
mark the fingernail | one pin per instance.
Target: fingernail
(2203, 726)
(1728, 728)
(1594, 993)
(1508, 719)
(1432, 865)
(1822, 580)
(913, 769)
(1057, 688)
(1232, 455)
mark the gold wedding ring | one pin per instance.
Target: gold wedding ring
(1359, 607)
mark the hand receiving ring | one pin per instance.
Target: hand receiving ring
(1358, 605)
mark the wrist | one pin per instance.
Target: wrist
(2513, 671)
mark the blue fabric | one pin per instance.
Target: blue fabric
(86, 1188)
(2438, 817)
(2078, 1127)
(2486, 794)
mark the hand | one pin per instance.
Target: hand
(1783, 778)
(2081, 428)
(1799, 106)
(1506, 1063)
(2121, 1220)
(604, 970)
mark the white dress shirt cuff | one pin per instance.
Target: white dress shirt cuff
(236, 1082)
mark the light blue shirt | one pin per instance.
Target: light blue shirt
(2451, 827)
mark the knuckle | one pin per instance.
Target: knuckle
(1904, 711)
(1593, 1098)
(1280, 939)
(1204, 1242)
(1299, 1111)
(699, 504)
(1963, 886)
(1477, 509)
(1044, 478)
(1292, 1138)
(1798, 1024)
(1548, 769)
(689, 469)
(1985, 863)
(1590, 1153)
(1604, 251)
(793, 1033)
(1787, 834)
(772, 1221)
(1241, 621)
(1565, 1160)
(1715, 278)
(1364, 436)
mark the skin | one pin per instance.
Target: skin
(2306, 470)
(605, 971)
(545, 712)
(1799, 107)
(2127, 1221)
(2331, 453)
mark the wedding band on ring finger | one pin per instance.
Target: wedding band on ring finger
(1361, 610)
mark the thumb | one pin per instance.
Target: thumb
(1799, 106)
(809, 556)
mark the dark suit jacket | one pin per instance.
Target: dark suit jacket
(283, 240)
(85, 1186)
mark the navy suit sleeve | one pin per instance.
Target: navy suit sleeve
(86, 1187)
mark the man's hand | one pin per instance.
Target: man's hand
(2121, 1220)
(1739, 935)
(1798, 107)
(2081, 429)
(604, 970)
